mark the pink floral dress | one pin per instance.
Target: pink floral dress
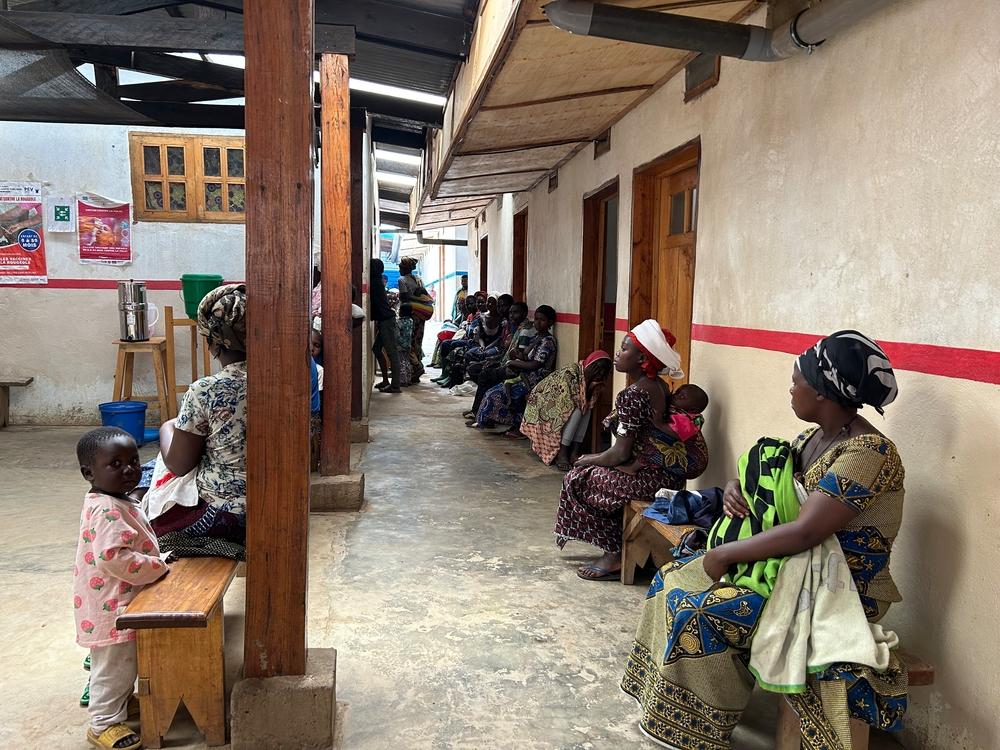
(116, 555)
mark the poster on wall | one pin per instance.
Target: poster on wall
(60, 213)
(22, 238)
(104, 230)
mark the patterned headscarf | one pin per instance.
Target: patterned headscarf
(222, 315)
(851, 369)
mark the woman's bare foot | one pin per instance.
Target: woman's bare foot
(607, 567)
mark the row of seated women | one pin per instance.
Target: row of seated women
(795, 579)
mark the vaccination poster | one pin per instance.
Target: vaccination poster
(104, 228)
(22, 238)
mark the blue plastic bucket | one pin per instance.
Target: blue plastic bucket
(129, 415)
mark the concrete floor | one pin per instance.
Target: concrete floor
(458, 622)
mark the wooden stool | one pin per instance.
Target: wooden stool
(170, 323)
(156, 346)
(644, 538)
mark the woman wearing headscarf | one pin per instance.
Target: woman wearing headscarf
(595, 491)
(504, 403)
(558, 411)
(410, 285)
(210, 430)
(687, 668)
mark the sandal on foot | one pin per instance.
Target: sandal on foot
(563, 465)
(115, 737)
(515, 435)
(86, 662)
(381, 386)
(85, 696)
(594, 573)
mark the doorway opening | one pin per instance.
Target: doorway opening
(519, 285)
(599, 292)
(484, 262)
(665, 216)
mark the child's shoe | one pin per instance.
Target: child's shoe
(85, 697)
(114, 734)
(86, 662)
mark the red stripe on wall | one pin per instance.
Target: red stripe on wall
(573, 318)
(947, 361)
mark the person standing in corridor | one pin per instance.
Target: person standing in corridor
(410, 285)
(385, 345)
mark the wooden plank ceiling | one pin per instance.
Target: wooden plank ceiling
(549, 94)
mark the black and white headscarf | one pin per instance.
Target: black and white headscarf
(851, 369)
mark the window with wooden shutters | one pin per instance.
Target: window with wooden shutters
(188, 177)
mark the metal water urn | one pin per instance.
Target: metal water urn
(133, 310)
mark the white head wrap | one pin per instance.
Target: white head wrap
(650, 335)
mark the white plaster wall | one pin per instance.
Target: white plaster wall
(852, 188)
(497, 224)
(63, 337)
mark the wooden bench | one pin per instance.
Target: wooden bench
(643, 538)
(179, 639)
(5, 385)
(788, 734)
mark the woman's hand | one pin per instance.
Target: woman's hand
(715, 563)
(733, 503)
(587, 460)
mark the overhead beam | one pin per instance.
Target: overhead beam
(157, 34)
(400, 138)
(391, 106)
(158, 63)
(396, 219)
(177, 91)
(386, 194)
(180, 115)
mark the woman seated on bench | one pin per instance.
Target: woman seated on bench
(596, 491)
(558, 411)
(695, 636)
(210, 431)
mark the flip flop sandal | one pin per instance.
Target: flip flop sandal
(603, 575)
(514, 436)
(110, 737)
(86, 662)
(85, 696)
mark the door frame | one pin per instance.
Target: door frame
(484, 262)
(519, 275)
(592, 293)
(644, 224)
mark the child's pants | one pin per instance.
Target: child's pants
(576, 427)
(113, 671)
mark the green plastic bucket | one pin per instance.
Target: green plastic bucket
(194, 286)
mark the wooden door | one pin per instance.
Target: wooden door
(598, 289)
(665, 215)
(673, 261)
(484, 263)
(519, 285)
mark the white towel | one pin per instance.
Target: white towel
(814, 618)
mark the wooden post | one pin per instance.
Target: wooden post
(335, 247)
(358, 229)
(279, 144)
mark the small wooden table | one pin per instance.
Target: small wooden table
(644, 538)
(5, 385)
(179, 643)
(156, 346)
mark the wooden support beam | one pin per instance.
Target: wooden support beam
(106, 79)
(358, 229)
(161, 64)
(178, 91)
(162, 34)
(401, 138)
(279, 90)
(335, 247)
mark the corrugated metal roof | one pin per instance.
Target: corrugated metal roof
(392, 66)
(456, 8)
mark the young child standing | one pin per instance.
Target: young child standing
(116, 555)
